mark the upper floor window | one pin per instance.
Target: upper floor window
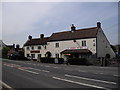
(83, 43)
(45, 47)
(28, 48)
(93, 44)
(32, 47)
(56, 45)
(39, 47)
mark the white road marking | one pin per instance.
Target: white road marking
(80, 83)
(28, 71)
(40, 70)
(89, 79)
(116, 75)
(82, 71)
(47, 66)
(56, 67)
(5, 85)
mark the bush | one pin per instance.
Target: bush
(51, 60)
(60, 60)
(78, 61)
(47, 60)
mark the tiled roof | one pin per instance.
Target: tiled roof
(71, 51)
(67, 35)
(77, 34)
(37, 41)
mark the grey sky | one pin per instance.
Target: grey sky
(20, 19)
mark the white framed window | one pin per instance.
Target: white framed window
(45, 47)
(28, 48)
(57, 55)
(32, 47)
(32, 56)
(57, 45)
(28, 55)
(39, 47)
(84, 43)
(39, 55)
(94, 44)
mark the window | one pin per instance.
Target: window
(93, 44)
(39, 47)
(32, 56)
(32, 47)
(39, 55)
(28, 48)
(28, 55)
(83, 43)
(56, 45)
(57, 55)
(45, 47)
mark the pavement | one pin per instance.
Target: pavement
(32, 74)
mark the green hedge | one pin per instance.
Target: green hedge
(51, 60)
(78, 61)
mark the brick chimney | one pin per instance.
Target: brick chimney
(29, 37)
(73, 28)
(98, 24)
(41, 35)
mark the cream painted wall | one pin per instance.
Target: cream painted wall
(103, 45)
(69, 43)
(42, 51)
(100, 46)
(62, 46)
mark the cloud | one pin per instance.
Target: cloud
(23, 18)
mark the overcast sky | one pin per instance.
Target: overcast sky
(20, 19)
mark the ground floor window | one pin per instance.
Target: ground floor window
(32, 56)
(57, 55)
(39, 55)
(28, 55)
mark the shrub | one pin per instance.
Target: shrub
(78, 61)
(47, 60)
(51, 60)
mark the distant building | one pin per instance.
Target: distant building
(80, 43)
(1, 46)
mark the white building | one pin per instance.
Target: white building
(89, 43)
(1, 46)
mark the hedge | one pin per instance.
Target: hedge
(51, 60)
(78, 61)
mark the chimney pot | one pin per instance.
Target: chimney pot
(41, 35)
(29, 37)
(98, 24)
(73, 28)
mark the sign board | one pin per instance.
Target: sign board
(67, 54)
(82, 47)
(35, 51)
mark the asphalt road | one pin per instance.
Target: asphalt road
(31, 74)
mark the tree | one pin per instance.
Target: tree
(5, 52)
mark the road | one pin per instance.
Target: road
(31, 74)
